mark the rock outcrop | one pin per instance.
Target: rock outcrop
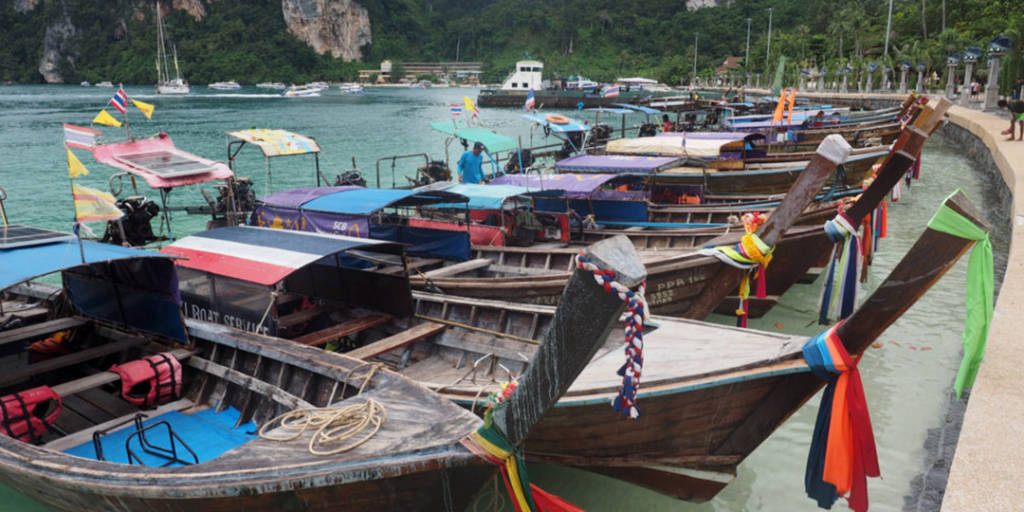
(23, 6)
(57, 48)
(338, 26)
(194, 8)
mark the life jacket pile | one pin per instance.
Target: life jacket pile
(23, 414)
(158, 378)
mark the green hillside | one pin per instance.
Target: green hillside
(248, 40)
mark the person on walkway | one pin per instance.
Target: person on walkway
(471, 165)
(1016, 108)
(666, 125)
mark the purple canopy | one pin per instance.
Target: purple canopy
(296, 197)
(616, 163)
(576, 186)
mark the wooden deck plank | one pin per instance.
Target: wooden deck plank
(343, 329)
(458, 268)
(40, 330)
(398, 340)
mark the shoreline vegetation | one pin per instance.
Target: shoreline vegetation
(250, 42)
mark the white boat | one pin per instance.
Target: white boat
(104, 84)
(323, 86)
(164, 83)
(302, 91)
(271, 85)
(85, 84)
(230, 85)
(350, 88)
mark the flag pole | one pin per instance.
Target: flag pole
(76, 227)
(127, 129)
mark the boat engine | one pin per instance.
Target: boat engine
(241, 189)
(137, 231)
(648, 130)
(435, 170)
(572, 145)
(512, 166)
(350, 177)
(601, 133)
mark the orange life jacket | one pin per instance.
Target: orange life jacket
(23, 414)
(151, 380)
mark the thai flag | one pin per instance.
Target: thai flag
(611, 92)
(120, 101)
(531, 101)
(456, 109)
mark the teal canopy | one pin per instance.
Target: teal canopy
(571, 126)
(492, 197)
(493, 142)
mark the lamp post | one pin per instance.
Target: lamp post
(951, 62)
(921, 68)
(971, 56)
(768, 53)
(996, 49)
(904, 69)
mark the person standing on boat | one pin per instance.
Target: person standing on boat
(666, 125)
(471, 165)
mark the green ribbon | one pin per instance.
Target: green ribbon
(980, 291)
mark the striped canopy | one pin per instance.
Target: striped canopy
(275, 142)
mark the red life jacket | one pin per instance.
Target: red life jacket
(23, 414)
(151, 380)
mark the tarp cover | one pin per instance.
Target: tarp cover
(574, 185)
(109, 154)
(692, 144)
(639, 108)
(263, 256)
(493, 142)
(296, 197)
(25, 263)
(615, 163)
(274, 142)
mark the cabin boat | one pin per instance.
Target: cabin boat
(230, 85)
(557, 93)
(302, 91)
(192, 412)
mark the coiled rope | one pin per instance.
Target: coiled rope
(332, 425)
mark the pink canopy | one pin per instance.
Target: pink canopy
(162, 165)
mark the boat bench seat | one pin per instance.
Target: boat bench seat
(125, 341)
(40, 330)
(398, 340)
(76, 386)
(85, 436)
(347, 328)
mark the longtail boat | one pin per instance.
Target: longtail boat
(195, 415)
(710, 394)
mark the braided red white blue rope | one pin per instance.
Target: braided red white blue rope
(636, 314)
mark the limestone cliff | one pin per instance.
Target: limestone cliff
(56, 48)
(23, 6)
(693, 5)
(338, 26)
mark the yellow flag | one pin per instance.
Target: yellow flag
(146, 108)
(104, 118)
(92, 204)
(470, 106)
(75, 167)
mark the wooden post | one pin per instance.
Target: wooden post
(585, 317)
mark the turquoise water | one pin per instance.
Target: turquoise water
(908, 379)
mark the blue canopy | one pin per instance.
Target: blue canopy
(122, 285)
(638, 108)
(541, 119)
(26, 263)
(366, 201)
(492, 197)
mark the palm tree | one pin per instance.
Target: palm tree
(837, 28)
(924, 23)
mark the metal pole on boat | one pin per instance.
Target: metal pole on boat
(746, 59)
(768, 52)
(582, 323)
(127, 129)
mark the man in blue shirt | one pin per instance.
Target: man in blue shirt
(471, 165)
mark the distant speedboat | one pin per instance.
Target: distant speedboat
(104, 84)
(272, 85)
(85, 83)
(302, 91)
(323, 86)
(230, 85)
(350, 88)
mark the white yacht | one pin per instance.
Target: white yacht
(164, 83)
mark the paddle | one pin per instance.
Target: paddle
(585, 317)
(932, 255)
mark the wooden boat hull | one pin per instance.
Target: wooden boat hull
(772, 181)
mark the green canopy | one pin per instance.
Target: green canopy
(493, 142)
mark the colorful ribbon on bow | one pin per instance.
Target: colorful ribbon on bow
(840, 290)
(636, 314)
(980, 291)
(842, 453)
(488, 443)
(750, 253)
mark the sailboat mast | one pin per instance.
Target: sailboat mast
(177, 73)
